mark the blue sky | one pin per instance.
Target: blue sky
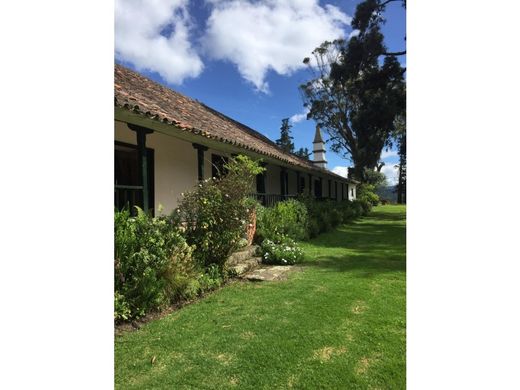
(242, 57)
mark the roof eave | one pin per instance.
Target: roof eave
(170, 128)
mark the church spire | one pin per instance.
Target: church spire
(319, 150)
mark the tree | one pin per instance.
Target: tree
(400, 137)
(285, 140)
(358, 89)
(303, 153)
(375, 178)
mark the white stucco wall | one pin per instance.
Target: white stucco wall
(175, 164)
(352, 188)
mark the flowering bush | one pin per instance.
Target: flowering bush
(217, 212)
(283, 251)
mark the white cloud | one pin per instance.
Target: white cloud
(299, 117)
(138, 38)
(388, 153)
(265, 35)
(391, 172)
(342, 171)
(354, 33)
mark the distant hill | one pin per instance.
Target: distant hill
(387, 193)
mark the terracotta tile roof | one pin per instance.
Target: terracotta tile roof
(139, 94)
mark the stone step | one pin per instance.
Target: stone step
(246, 265)
(244, 254)
(270, 273)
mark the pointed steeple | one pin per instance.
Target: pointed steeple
(319, 150)
(317, 136)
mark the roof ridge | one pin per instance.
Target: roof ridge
(142, 90)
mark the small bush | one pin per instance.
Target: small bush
(122, 310)
(287, 218)
(347, 211)
(152, 259)
(358, 207)
(366, 192)
(364, 205)
(210, 279)
(283, 251)
(313, 227)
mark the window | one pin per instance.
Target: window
(217, 165)
(301, 187)
(317, 188)
(260, 183)
(128, 184)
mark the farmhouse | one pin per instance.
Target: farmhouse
(166, 142)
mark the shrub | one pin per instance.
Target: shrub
(358, 207)
(366, 192)
(347, 211)
(122, 310)
(287, 218)
(320, 216)
(364, 205)
(152, 259)
(283, 250)
(217, 212)
(210, 279)
(313, 227)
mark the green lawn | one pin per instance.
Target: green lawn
(339, 324)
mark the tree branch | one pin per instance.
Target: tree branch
(396, 53)
(387, 1)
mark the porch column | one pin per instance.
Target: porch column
(310, 185)
(143, 160)
(298, 182)
(200, 160)
(260, 180)
(283, 181)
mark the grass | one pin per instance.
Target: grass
(339, 324)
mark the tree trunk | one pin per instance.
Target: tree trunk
(400, 183)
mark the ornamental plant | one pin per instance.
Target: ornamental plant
(217, 212)
(289, 218)
(282, 251)
(151, 261)
(366, 192)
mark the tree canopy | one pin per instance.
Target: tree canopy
(285, 140)
(357, 90)
(303, 153)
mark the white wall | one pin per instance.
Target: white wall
(175, 164)
(352, 188)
